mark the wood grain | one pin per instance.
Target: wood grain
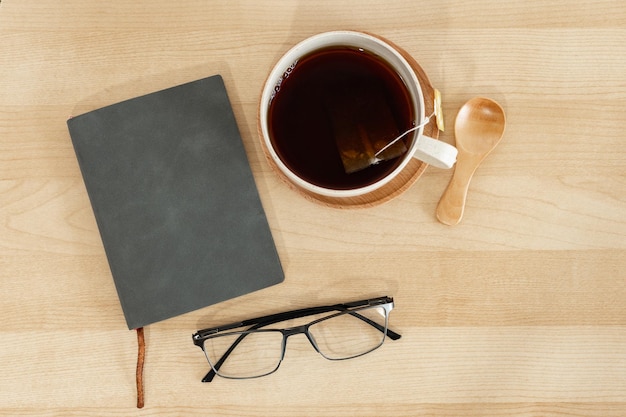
(520, 310)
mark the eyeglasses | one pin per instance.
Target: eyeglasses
(356, 328)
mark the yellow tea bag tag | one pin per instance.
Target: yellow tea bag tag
(438, 111)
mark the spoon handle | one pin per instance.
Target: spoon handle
(452, 202)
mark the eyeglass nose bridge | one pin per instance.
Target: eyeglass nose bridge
(304, 329)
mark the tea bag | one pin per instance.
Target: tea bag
(363, 124)
(351, 133)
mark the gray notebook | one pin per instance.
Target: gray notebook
(175, 201)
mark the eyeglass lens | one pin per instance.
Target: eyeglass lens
(350, 334)
(248, 354)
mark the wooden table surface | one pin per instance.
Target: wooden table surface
(520, 310)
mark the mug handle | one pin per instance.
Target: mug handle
(435, 152)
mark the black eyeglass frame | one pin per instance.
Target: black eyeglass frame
(257, 323)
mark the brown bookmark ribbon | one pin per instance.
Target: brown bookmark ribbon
(141, 355)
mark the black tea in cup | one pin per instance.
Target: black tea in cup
(333, 111)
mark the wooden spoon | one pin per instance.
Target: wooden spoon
(478, 129)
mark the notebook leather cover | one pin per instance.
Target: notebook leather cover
(175, 201)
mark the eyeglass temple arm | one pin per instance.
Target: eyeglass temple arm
(277, 318)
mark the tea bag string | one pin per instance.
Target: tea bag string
(424, 123)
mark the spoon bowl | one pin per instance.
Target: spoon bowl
(478, 129)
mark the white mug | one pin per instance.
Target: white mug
(424, 148)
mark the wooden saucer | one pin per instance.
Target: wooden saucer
(413, 170)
